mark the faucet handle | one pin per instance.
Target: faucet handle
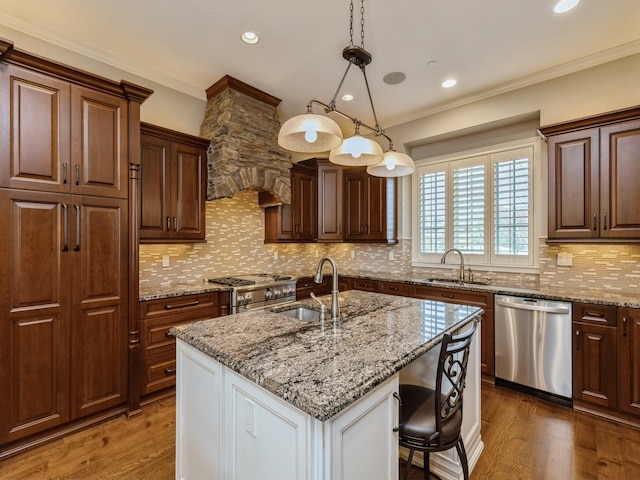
(323, 307)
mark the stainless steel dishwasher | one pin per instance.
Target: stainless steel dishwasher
(533, 343)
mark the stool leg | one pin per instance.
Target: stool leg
(409, 460)
(425, 463)
(462, 453)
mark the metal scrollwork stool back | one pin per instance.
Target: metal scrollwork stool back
(431, 420)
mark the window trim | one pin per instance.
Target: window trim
(492, 154)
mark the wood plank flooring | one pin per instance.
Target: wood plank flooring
(525, 438)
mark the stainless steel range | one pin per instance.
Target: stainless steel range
(258, 290)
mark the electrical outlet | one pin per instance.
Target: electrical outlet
(275, 255)
(391, 257)
(250, 416)
(165, 261)
(353, 254)
(564, 260)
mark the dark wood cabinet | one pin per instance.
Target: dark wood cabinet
(467, 297)
(305, 286)
(594, 178)
(295, 222)
(368, 216)
(173, 175)
(595, 347)
(365, 285)
(157, 317)
(82, 136)
(66, 140)
(629, 359)
(330, 201)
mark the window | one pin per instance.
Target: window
(481, 205)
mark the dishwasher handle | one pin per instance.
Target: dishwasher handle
(521, 305)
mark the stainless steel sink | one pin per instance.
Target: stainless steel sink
(451, 281)
(302, 313)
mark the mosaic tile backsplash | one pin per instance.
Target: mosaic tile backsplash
(235, 245)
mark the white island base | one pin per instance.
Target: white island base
(229, 428)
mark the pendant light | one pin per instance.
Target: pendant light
(313, 133)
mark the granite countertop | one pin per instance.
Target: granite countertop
(577, 294)
(322, 368)
(567, 294)
(153, 292)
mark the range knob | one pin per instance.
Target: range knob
(277, 293)
(268, 294)
(248, 298)
(240, 300)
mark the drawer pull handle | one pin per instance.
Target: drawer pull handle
(595, 314)
(170, 371)
(577, 339)
(182, 305)
(447, 295)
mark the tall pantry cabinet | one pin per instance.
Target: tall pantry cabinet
(64, 246)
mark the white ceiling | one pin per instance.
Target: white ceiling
(489, 46)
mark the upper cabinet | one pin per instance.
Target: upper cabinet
(369, 210)
(594, 178)
(295, 222)
(347, 205)
(173, 168)
(63, 138)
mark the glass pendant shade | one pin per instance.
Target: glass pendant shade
(310, 133)
(356, 151)
(394, 164)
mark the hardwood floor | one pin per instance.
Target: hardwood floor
(525, 438)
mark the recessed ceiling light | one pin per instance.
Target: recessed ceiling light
(347, 97)
(565, 5)
(449, 83)
(250, 37)
(394, 78)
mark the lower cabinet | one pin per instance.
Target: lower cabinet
(306, 286)
(629, 354)
(227, 427)
(595, 347)
(467, 297)
(158, 361)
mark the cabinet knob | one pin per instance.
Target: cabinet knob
(624, 326)
(170, 371)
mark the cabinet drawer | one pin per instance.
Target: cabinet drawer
(394, 288)
(158, 372)
(454, 296)
(202, 305)
(305, 286)
(595, 314)
(366, 285)
(154, 333)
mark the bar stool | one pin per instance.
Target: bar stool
(431, 420)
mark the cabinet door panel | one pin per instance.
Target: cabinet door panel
(154, 187)
(305, 215)
(620, 180)
(354, 208)
(629, 336)
(595, 365)
(329, 202)
(574, 185)
(99, 313)
(188, 183)
(377, 204)
(34, 318)
(37, 107)
(99, 143)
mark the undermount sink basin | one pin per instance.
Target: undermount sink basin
(451, 281)
(303, 314)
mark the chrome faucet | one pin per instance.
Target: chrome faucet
(444, 259)
(335, 306)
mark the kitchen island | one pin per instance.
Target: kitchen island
(262, 395)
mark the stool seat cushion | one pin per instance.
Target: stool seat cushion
(418, 417)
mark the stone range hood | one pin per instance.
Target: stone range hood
(242, 124)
